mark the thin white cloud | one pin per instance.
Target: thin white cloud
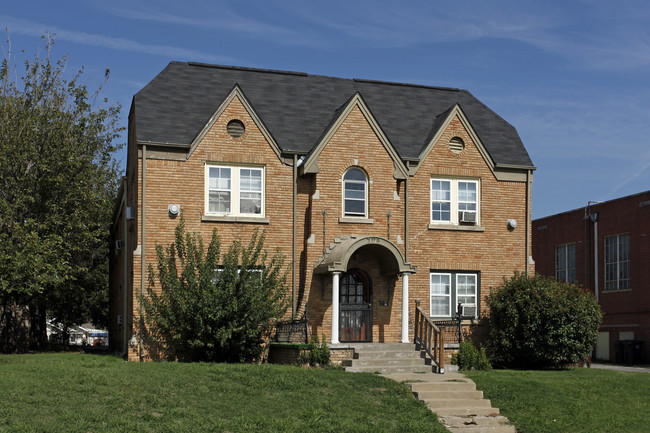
(633, 173)
(217, 16)
(32, 28)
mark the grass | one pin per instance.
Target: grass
(572, 401)
(92, 393)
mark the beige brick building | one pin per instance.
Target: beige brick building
(378, 194)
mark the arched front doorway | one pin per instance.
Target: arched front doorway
(356, 306)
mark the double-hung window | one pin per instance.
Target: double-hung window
(447, 289)
(355, 193)
(617, 262)
(232, 190)
(565, 263)
(454, 201)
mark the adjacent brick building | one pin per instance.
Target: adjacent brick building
(604, 247)
(378, 193)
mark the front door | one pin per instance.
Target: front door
(356, 306)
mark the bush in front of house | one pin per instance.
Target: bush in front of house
(318, 354)
(471, 358)
(202, 306)
(537, 322)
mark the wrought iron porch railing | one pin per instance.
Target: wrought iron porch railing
(429, 337)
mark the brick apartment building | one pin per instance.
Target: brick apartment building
(604, 247)
(378, 193)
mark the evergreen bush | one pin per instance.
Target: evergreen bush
(537, 322)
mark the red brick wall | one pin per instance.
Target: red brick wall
(624, 310)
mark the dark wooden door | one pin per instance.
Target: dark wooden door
(355, 306)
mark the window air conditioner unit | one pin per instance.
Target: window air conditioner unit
(468, 311)
(467, 217)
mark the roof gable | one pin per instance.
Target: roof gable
(441, 126)
(311, 163)
(236, 93)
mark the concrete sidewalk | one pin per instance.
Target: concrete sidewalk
(634, 368)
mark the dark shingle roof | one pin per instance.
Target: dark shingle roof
(298, 108)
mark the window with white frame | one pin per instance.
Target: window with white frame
(565, 263)
(355, 193)
(617, 262)
(454, 201)
(447, 289)
(232, 190)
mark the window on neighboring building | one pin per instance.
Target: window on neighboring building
(454, 201)
(355, 193)
(565, 263)
(234, 190)
(617, 262)
(447, 289)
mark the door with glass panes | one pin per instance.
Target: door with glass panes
(355, 306)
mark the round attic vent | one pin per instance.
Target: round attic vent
(235, 128)
(456, 145)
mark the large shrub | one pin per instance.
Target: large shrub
(213, 308)
(538, 322)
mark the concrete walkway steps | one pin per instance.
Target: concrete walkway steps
(452, 396)
(388, 358)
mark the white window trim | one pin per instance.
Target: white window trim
(235, 196)
(346, 216)
(454, 202)
(453, 292)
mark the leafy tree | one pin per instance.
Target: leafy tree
(213, 308)
(58, 180)
(538, 322)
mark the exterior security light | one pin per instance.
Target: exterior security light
(512, 224)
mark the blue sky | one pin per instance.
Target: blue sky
(572, 76)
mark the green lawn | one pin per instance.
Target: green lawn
(93, 393)
(572, 401)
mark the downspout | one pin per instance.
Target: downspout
(406, 219)
(528, 222)
(125, 248)
(595, 220)
(295, 235)
(142, 246)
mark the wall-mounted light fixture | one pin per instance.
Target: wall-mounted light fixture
(512, 223)
(173, 210)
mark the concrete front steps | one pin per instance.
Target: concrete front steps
(388, 358)
(452, 396)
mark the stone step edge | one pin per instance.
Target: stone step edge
(476, 420)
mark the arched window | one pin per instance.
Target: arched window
(355, 193)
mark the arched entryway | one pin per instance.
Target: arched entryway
(355, 306)
(334, 262)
